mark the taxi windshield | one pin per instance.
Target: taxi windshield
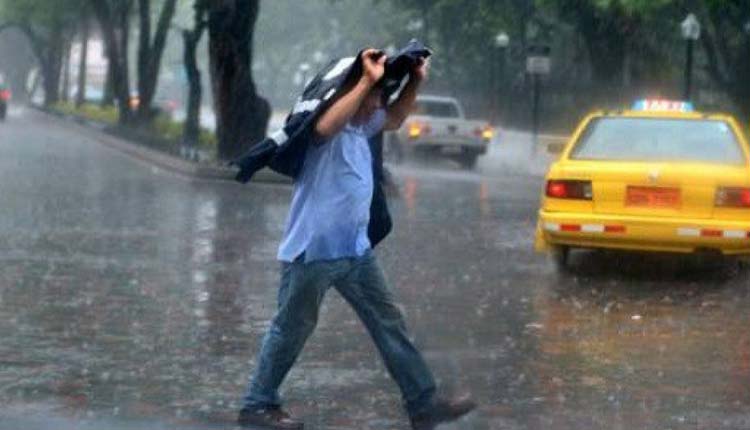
(659, 139)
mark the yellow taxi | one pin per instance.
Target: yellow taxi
(658, 177)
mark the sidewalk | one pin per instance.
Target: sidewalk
(98, 132)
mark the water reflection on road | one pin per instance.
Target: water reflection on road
(134, 299)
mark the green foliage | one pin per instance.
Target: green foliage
(342, 28)
(91, 111)
(462, 34)
(43, 15)
(163, 126)
(168, 129)
(634, 7)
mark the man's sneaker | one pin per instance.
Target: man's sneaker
(268, 419)
(442, 411)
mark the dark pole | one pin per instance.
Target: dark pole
(83, 62)
(535, 114)
(494, 91)
(689, 71)
(501, 93)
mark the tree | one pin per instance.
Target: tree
(343, 27)
(605, 31)
(610, 30)
(13, 44)
(65, 89)
(150, 53)
(83, 60)
(726, 42)
(241, 114)
(462, 34)
(48, 27)
(114, 21)
(191, 38)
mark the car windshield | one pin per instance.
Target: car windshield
(654, 139)
(437, 109)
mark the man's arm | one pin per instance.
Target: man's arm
(397, 112)
(341, 112)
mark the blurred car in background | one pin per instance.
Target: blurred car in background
(439, 127)
(660, 177)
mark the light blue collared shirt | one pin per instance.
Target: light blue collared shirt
(330, 208)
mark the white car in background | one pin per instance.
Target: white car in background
(439, 127)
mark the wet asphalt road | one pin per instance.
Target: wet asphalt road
(133, 298)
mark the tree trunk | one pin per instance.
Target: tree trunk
(108, 97)
(740, 89)
(241, 115)
(144, 55)
(727, 56)
(83, 63)
(51, 68)
(191, 39)
(191, 131)
(51, 83)
(49, 55)
(17, 72)
(65, 90)
(122, 79)
(150, 54)
(114, 22)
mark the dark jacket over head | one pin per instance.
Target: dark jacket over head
(284, 151)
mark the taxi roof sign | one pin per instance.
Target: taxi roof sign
(661, 105)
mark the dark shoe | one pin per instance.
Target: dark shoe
(442, 411)
(268, 419)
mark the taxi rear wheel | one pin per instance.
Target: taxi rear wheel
(561, 256)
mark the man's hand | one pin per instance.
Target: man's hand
(421, 70)
(373, 64)
(333, 120)
(397, 112)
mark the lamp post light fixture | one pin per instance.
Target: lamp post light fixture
(319, 57)
(501, 42)
(691, 32)
(304, 70)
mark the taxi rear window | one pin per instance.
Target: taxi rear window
(658, 139)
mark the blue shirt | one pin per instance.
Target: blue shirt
(330, 208)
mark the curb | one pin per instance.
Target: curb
(98, 131)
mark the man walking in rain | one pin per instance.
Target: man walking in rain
(326, 244)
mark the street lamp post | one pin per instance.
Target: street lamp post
(502, 40)
(537, 64)
(691, 32)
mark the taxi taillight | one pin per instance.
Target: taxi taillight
(733, 197)
(5, 95)
(567, 189)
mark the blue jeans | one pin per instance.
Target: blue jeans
(362, 284)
